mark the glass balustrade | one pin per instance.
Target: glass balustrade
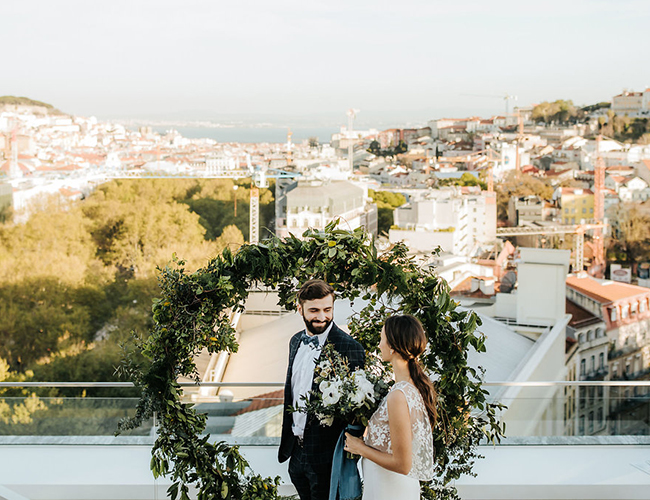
(252, 413)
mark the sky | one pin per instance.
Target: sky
(260, 60)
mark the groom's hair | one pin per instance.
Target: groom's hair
(314, 289)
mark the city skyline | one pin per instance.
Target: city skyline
(253, 61)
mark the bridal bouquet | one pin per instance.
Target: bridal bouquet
(350, 396)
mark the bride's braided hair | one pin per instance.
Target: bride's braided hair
(405, 334)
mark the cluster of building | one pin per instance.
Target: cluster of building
(545, 322)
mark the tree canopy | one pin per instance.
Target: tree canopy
(387, 202)
(77, 277)
(560, 112)
(516, 184)
(466, 179)
(631, 242)
(390, 152)
(625, 128)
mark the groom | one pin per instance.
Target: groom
(308, 444)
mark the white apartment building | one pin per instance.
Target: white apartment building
(314, 204)
(456, 219)
(631, 103)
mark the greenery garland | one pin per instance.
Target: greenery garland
(194, 313)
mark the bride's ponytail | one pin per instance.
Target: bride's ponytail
(424, 385)
(406, 335)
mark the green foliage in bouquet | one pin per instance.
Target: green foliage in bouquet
(348, 396)
(194, 312)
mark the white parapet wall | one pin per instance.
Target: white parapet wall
(552, 470)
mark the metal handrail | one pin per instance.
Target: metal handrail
(541, 383)
(131, 384)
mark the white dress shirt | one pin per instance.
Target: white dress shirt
(302, 378)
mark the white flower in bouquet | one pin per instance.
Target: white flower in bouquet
(358, 397)
(331, 396)
(332, 393)
(364, 385)
(323, 386)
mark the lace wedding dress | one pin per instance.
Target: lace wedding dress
(382, 484)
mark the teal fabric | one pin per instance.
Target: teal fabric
(345, 483)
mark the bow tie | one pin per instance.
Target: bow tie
(306, 339)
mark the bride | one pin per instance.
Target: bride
(398, 448)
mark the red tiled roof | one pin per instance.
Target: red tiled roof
(6, 167)
(69, 192)
(553, 173)
(604, 291)
(619, 167)
(262, 401)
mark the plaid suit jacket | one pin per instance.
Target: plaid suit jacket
(319, 440)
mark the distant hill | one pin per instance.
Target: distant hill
(12, 103)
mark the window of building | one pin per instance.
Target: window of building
(583, 366)
(581, 425)
(601, 392)
(634, 307)
(590, 335)
(599, 416)
(601, 360)
(642, 305)
(591, 210)
(625, 311)
(592, 364)
(591, 422)
(584, 210)
(612, 314)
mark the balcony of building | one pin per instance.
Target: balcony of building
(595, 374)
(65, 448)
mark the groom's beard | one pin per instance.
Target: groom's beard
(318, 328)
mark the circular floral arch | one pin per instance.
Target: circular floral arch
(193, 313)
